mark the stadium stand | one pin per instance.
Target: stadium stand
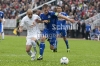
(80, 10)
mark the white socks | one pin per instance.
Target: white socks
(30, 53)
(34, 45)
(98, 37)
(2, 35)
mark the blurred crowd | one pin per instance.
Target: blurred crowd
(76, 9)
(11, 8)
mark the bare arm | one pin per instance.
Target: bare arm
(3, 21)
(38, 20)
(21, 25)
(66, 18)
(42, 21)
(20, 29)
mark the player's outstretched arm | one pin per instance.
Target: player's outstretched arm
(41, 21)
(66, 18)
(20, 29)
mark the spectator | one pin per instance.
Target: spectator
(88, 29)
(83, 29)
(78, 25)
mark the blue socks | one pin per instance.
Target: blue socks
(42, 47)
(67, 45)
(55, 45)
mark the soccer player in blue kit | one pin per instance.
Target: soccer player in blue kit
(50, 20)
(1, 20)
(62, 28)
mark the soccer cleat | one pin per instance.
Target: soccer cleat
(39, 57)
(55, 50)
(68, 50)
(33, 58)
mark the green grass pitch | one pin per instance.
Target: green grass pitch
(82, 53)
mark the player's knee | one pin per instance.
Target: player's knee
(64, 38)
(27, 50)
(51, 47)
(43, 39)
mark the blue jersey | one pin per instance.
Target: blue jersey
(88, 27)
(61, 23)
(52, 18)
(98, 32)
(1, 15)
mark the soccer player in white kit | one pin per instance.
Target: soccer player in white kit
(3, 22)
(30, 21)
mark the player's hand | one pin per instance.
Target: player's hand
(34, 24)
(45, 21)
(20, 30)
(38, 21)
(0, 20)
(72, 20)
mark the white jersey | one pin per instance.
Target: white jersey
(32, 29)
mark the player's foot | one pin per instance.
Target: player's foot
(33, 56)
(68, 50)
(55, 50)
(40, 57)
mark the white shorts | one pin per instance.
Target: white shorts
(29, 40)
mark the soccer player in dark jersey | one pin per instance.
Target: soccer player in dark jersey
(1, 22)
(50, 19)
(62, 27)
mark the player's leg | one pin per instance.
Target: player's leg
(52, 43)
(2, 35)
(34, 47)
(98, 37)
(64, 34)
(28, 47)
(42, 47)
(2, 32)
(29, 44)
(56, 41)
(42, 44)
(18, 33)
(52, 37)
(37, 43)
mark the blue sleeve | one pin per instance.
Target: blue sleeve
(1, 15)
(41, 16)
(65, 14)
(54, 13)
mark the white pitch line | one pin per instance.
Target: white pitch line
(13, 55)
(52, 55)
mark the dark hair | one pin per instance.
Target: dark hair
(58, 6)
(45, 6)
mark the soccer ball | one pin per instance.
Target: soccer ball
(64, 60)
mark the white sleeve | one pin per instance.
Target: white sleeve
(22, 22)
(38, 17)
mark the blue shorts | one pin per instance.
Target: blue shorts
(62, 32)
(51, 35)
(1, 28)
